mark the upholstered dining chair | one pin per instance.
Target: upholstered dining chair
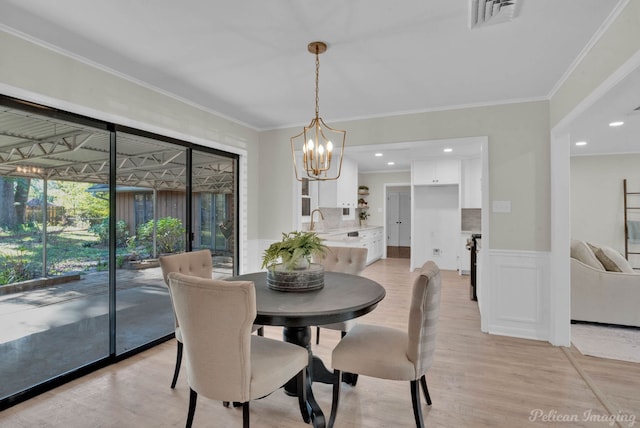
(224, 360)
(351, 260)
(194, 263)
(393, 354)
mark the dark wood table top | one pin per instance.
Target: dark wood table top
(343, 297)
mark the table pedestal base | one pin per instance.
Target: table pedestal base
(301, 336)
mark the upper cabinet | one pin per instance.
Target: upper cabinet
(343, 192)
(436, 172)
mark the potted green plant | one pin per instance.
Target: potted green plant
(294, 250)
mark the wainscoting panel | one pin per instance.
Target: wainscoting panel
(519, 294)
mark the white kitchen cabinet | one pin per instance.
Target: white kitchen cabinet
(373, 239)
(343, 192)
(435, 172)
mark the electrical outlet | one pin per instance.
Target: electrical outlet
(436, 251)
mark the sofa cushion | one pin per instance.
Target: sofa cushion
(581, 252)
(612, 260)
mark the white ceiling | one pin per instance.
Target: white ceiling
(618, 104)
(247, 60)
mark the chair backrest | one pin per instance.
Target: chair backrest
(351, 260)
(216, 318)
(423, 317)
(194, 263)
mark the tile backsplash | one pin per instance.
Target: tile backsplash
(333, 219)
(471, 219)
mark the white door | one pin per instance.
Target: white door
(404, 210)
(393, 219)
(398, 219)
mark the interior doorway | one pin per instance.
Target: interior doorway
(398, 221)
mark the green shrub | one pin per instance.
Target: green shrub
(15, 269)
(169, 235)
(101, 229)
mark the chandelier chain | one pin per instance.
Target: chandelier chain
(317, 79)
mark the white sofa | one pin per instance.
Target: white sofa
(601, 295)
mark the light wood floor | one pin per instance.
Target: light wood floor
(477, 380)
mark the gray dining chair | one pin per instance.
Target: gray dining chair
(351, 260)
(388, 353)
(224, 360)
(194, 263)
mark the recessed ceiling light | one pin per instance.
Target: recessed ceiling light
(378, 155)
(391, 163)
(448, 150)
(581, 143)
(619, 123)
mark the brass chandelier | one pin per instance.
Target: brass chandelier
(315, 140)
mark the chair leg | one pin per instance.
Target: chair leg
(193, 397)
(260, 331)
(336, 398)
(349, 378)
(245, 414)
(415, 401)
(176, 372)
(423, 382)
(302, 395)
(317, 335)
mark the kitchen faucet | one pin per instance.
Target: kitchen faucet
(321, 216)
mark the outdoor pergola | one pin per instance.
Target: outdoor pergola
(50, 149)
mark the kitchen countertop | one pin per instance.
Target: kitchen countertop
(341, 233)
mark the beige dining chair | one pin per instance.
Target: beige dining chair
(224, 360)
(388, 353)
(351, 260)
(195, 263)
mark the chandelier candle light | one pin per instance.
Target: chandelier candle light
(315, 139)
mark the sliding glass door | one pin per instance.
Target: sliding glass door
(54, 250)
(214, 210)
(86, 209)
(151, 200)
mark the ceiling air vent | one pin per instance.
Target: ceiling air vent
(489, 12)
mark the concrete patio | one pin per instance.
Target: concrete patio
(49, 331)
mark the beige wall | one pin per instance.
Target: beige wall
(597, 204)
(518, 137)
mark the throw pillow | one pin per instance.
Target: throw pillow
(608, 264)
(613, 261)
(581, 252)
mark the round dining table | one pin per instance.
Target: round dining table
(343, 297)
